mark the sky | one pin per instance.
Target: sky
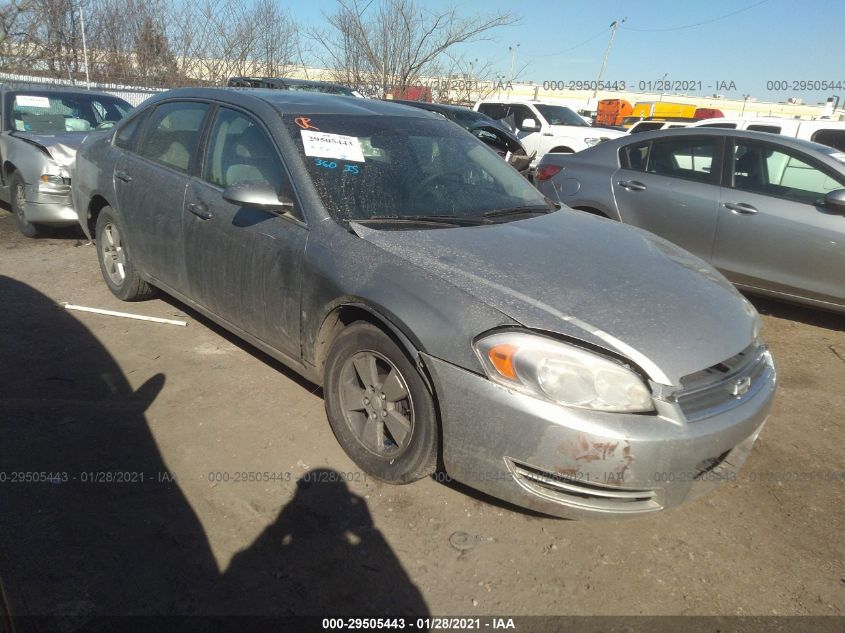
(765, 49)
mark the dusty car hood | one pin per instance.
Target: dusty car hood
(599, 280)
(62, 147)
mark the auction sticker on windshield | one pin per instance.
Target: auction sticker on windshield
(32, 102)
(326, 145)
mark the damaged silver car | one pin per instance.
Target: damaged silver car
(40, 132)
(457, 320)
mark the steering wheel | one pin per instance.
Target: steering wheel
(444, 176)
(105, 125)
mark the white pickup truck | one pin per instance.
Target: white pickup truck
(547, 128)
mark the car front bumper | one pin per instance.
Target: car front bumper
(50, 205)
(581, 464)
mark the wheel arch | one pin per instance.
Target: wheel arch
(95, 205)
(347, 312)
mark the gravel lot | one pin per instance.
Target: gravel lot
(83, 393)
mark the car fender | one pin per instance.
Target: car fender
(28, 158)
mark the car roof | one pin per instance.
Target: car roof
(786, 141)
(288, 81)
(436, 107)
(295, 102)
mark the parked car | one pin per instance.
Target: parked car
(766, 210)
(544, 127)
(491, 132)
(288, 83)
(40, 130)
(452, 315)
(650, 125)
(824, 131)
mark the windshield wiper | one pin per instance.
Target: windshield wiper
(453, 220)
(498, 213)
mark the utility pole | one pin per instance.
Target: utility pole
(744, 103)
(512, 49)
(84, 47)
(613, 26)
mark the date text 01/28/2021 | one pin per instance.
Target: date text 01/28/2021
(424, 624)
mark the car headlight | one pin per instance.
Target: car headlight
(589, 142)
(55, 179)
(562, 373)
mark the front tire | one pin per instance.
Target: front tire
(379, 407)
(17, 201)
(116, 263)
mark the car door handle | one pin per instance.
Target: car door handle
(122, 175)
(200, 210)
(740, 207)
(632, 185)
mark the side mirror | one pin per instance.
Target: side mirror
(835, 200)
(259, 194)
(529, 125)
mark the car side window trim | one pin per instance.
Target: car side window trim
(205, 146)
(728, 172)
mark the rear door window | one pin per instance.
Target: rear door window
(172, 133)
(635, 156)
(690, 158)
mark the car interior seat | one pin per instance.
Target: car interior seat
(747, 171)
(253, 159)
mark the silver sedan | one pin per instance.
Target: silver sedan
(454, 317)
(765, 210)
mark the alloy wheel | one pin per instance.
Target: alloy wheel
(114, 255)
(376, 404)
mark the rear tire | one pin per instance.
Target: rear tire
(379, 407)
(17, 201)
(116, 262)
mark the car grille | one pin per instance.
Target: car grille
(725, 385)
(574, 493)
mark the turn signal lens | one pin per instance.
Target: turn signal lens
(501, 357)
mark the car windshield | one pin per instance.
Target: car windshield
(52, 113)
(365, 166)
(560, 115)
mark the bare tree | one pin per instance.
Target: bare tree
(391, 44)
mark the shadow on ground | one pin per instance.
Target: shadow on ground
(794, 312)
(76, 542)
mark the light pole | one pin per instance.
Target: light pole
(613, 26)
(84, 47)
(744, 103)
(512, 49)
